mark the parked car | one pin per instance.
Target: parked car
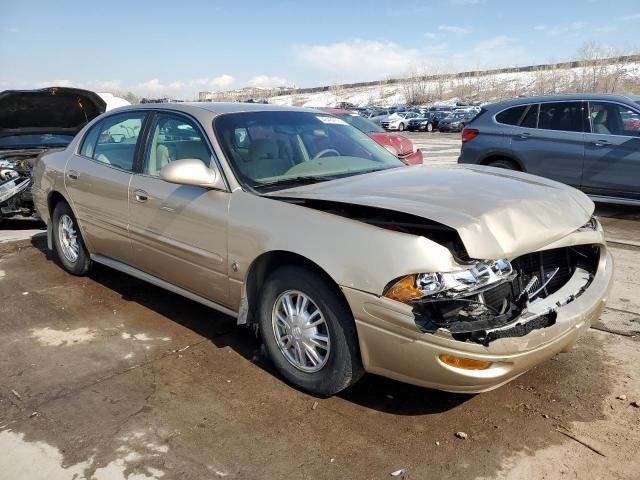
(588, 141)
(455, 121)
(399, 145)
(426, 122)
(31, 123)
(398, 121)
(343, 258)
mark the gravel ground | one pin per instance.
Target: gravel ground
(106, 377)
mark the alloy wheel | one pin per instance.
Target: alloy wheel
(300, 331)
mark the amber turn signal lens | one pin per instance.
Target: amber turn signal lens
(404, 290)
(465, 363)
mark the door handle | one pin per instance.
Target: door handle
(141, 196)
(72, 174)
(600, 143)
(524, 136)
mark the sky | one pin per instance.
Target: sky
(180, 48)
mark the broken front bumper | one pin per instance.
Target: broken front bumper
(391, 344)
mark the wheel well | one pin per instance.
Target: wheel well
(267, 263)
(493, 158)
(54, 199)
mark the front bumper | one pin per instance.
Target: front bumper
(392, 346)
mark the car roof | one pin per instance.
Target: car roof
(216, 108)
(562, 98)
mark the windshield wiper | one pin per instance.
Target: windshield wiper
(304, 180)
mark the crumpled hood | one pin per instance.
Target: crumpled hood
(497, 213)
(49, 110)
(401, 144)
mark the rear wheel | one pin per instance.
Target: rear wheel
(67, 241)
(503, 163)
(309, 332)
(429, 127)
(401, 127)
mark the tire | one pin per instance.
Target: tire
(67, 241)
(503, 163)
(341, 366)
(401, 127)
(429, 127)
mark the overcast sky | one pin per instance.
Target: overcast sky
(179, 48)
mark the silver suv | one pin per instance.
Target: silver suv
(588, 141)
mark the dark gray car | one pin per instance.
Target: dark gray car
(589, 141)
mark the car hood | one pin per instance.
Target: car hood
(55, 110)
(497, 213)
(401, 144)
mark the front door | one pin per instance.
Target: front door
(179, 232)
(612, 160)
(97, 181)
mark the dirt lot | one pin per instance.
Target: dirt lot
(106, 377)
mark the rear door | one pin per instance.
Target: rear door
(179, 232)
(612, 158)
(555, 149)
(97, 181)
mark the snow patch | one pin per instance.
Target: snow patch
(56, 338)
(35, 460)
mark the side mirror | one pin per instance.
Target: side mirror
(192, 171)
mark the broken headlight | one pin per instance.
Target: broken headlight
(591, 225)
(450, 284)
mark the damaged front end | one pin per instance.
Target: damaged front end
(492, 300)
(15, 182)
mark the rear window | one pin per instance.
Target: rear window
(563, 116)
(530, 119)
(511, 116)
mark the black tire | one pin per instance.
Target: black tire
(429, 127)
(343, 365)
(401, 127)
(503, 163)
(411, 129)
(82, 263)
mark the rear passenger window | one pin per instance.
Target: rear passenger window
(564, 116)
(530, 119)
(511, 116)
(117, 138)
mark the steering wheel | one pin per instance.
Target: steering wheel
(322, 153)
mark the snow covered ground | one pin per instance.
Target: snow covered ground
(489, 87)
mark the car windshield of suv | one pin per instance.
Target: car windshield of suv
(360, 123)
(279, 149)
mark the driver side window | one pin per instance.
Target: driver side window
(173, 138)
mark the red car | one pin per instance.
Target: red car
(399, 145)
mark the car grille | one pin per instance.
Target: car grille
(539, 268)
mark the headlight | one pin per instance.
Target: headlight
(591, 225)
(450, 284)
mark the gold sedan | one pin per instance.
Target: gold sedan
(458, 278)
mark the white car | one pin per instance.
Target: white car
(398, 121)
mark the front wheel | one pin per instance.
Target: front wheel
(309, 332)
(429, 127)
(401, 127)
(67, 241)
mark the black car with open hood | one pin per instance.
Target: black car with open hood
(32, 122)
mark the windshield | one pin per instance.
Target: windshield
(360, 123)
(35, 141)
(275, 149)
